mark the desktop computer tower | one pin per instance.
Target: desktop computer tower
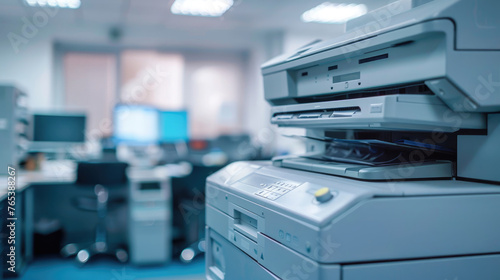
(150, 219)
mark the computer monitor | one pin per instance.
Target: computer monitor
(174, 126)
(57, 130)
(135, 125)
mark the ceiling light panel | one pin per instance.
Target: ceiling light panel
(204, 8)
(333, 13)
(71, 4)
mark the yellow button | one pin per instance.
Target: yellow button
(321, 192)
(323, 195)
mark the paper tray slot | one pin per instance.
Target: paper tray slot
(426, 170)
(315, 114)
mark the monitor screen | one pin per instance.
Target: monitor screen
(59, 128)
(135, 124)
(173, 126)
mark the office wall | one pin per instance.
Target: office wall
(90, 87)
(29, 67)
(214, 92)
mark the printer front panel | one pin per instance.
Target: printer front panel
(358, 222)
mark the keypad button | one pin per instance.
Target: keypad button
(273, 196)
(263, 193)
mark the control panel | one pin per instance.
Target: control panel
(276, 190)
(269, 187)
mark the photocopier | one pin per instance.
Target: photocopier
(401, 179)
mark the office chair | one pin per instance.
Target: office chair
(100, 176)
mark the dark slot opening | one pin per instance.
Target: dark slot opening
(373, 58)
(334, 67)
(402, 43)
(149, 186)
(331, 110)
(402, 89)
(304, 74)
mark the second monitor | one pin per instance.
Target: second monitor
(173, 126)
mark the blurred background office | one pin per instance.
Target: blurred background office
(114, 112)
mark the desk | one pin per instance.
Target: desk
(20, 185)
(27, 178)
(24, 212)
(27, 182)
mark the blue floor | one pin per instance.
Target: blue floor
(61, 269)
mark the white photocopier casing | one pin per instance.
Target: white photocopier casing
(428, 75)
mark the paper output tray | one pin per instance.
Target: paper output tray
(417, 170)
(417, 112)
